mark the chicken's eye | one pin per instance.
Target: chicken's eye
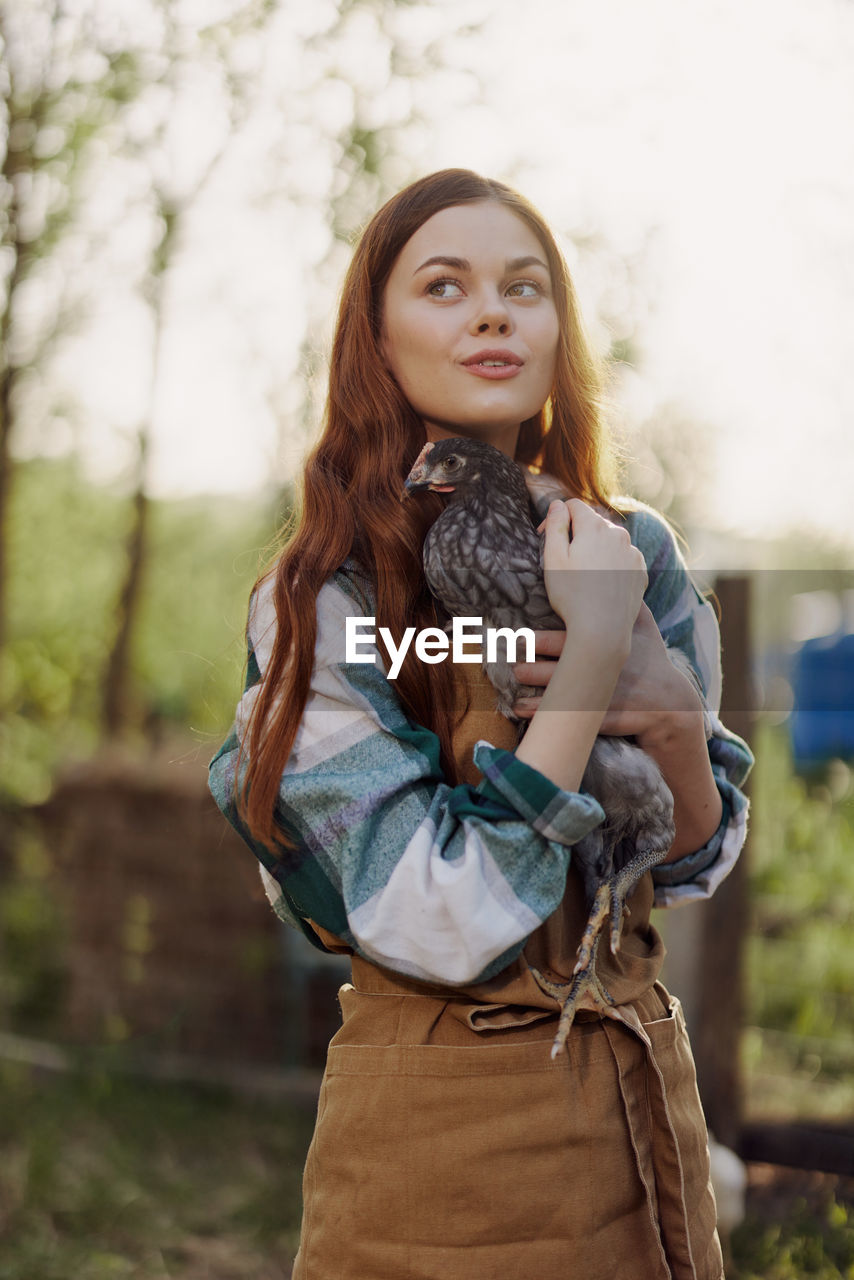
(451, 462)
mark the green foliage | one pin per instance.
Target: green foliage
(800, 1046)
(103, 1176)
(100, 1176)
(67, 542)
(807, 1244)
(32, 937)
(189, 647)
(62, 553)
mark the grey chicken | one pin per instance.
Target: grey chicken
(483, 556)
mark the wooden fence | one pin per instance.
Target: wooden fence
(170, 941)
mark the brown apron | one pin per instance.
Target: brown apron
(449, 1145)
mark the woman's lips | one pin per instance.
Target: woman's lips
(494, 364)
(494, 371)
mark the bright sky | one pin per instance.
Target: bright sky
(709, 146)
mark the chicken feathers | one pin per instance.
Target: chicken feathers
(483, 556)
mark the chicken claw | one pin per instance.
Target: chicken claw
(585, 982)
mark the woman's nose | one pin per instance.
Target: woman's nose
(492, 316)
(486, 326)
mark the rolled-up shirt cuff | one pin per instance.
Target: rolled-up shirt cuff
(697, 875)
(563, 816)
(681, 870)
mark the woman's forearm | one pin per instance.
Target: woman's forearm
(678, 746)
(569, 717)
(561, 734)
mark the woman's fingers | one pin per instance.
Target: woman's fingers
(548, 644)
(556, 527)
(578, 535)
(537, 674)
(650, 691)
(600, 605)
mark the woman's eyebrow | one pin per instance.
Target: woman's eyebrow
(519, 264)
(463, 264)
(441, 259)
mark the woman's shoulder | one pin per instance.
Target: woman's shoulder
(660, 543)
(672, 594)
(353, 579)
(347, 593)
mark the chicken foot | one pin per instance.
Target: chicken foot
(610, 899)
(585, 982)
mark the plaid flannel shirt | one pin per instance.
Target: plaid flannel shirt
(446, 883)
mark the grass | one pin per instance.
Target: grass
(102, 1176)
(107, 1177)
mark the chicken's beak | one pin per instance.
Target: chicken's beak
(415, 482)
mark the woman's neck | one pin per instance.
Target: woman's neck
(503, 438)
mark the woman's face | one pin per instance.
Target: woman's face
(470, 331)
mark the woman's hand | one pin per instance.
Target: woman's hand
(646, 697)
(656, 704)
(596, 581)
(651, 696)
(595, 584)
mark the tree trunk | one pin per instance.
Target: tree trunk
(8, 375)
(115, 706)
(6, 381)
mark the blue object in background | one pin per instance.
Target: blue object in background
(822, 720)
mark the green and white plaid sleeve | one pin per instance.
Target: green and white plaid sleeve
(442, 883)
(687, 622)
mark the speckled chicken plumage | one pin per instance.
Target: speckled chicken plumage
(483, 557)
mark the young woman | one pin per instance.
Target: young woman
(399, 821)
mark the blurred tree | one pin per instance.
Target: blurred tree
(360, 55)
(120, 122)
(171, 195)
(67, 539)
(392, 58)
(61, 84)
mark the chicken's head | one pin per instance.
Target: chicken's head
(445, 465)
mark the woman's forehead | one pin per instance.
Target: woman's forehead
(477, 230)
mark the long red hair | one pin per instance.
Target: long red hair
(354, 476)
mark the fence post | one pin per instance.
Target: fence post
(719, 1017)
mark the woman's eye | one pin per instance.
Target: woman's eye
(524, 289)
(445, 289)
